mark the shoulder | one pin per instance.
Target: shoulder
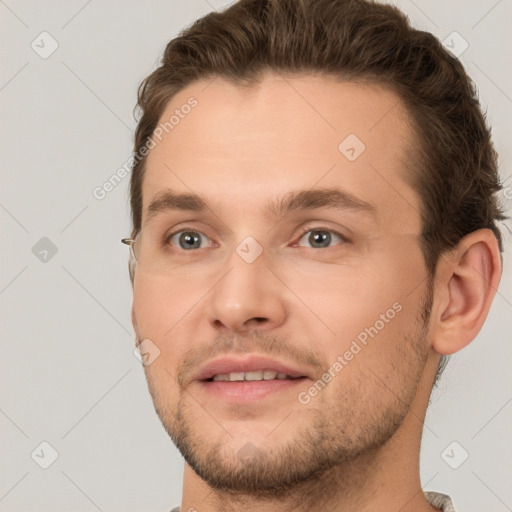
(441, 501)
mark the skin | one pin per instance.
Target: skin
(354, 446)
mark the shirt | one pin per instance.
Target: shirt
(436, 499)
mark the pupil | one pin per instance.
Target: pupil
(320, 238)
(189, 240)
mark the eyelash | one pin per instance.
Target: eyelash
(306, 230)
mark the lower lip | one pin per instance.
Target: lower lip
(248, 390)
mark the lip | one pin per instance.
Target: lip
(248, 364)
(247, 391)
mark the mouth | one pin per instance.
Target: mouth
(254, 376)
(248, 380)
(251, 368)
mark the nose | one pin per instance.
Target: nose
(248, 296)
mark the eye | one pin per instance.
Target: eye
(321, 238)
(188, 240)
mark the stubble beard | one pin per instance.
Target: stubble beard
(332, 446)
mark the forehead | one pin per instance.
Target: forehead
(236, 147)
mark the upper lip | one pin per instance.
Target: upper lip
(248, 364)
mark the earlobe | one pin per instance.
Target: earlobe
(467, 284)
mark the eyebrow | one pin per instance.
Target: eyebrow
(332, 198)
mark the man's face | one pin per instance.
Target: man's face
(313, 285)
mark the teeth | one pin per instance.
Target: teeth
(224, 376)
(240, 376)
(253, 376)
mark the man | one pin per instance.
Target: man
(314, 232)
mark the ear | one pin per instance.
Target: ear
(466, 282)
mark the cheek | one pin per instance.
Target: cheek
(357, 295)
(158, 310)
(377, 351)
(374, 300)
(150, 307)
(161, 304)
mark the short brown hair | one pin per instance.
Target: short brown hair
(456, 165)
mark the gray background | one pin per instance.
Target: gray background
(68, 375)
